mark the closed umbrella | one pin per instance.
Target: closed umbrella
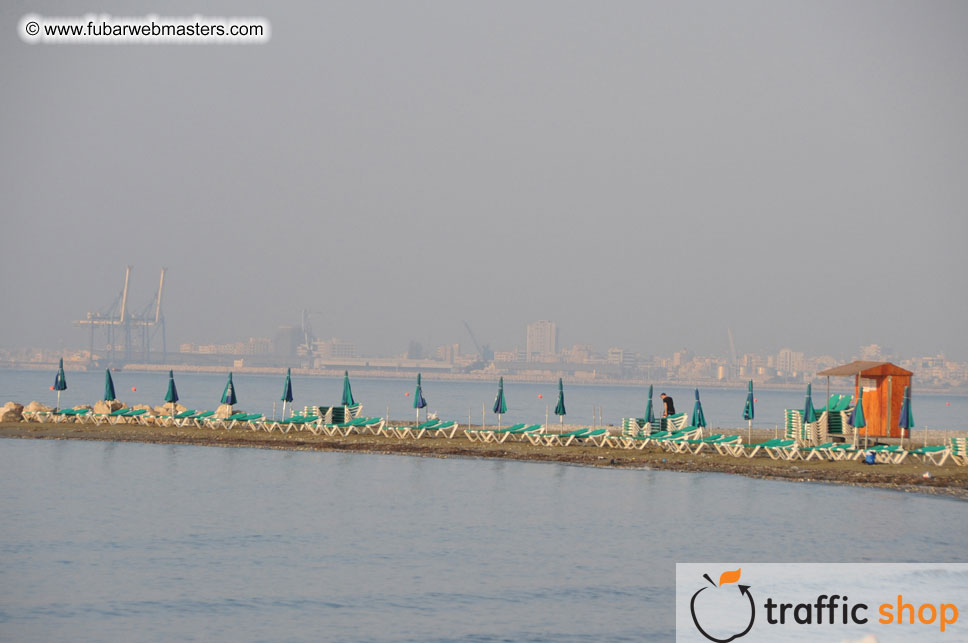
(560, 406)
(172, 395)
(418, 399)
(500, 404)
(109, 395)
(698, 419)
(809, 413)
(749, 412)
(347, 391)
(906, 421)
(60, 381)
(228, 395)
(649, 413)
(857, 415)
(286, 392)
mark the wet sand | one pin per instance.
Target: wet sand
(950, 479)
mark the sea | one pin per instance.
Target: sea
(462, 401)
(105, 541)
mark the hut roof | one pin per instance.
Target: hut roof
(866, 369)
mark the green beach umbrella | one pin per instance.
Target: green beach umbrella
(649, 413)
(172, 395)
(60, 381)
(560, 406)
(418, 399)
(500, 404)
(698, 419)
(347, 391)
(749, 412)
(857, 415)
(286, 391)
(809, 413)
(109, 394)
(228, 395)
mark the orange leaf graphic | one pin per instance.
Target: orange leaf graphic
(729, 577)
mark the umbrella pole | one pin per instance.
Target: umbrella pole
(749, 432)
(58, 401)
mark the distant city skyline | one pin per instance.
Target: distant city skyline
(542, 357)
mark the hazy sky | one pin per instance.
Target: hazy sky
(647, 174)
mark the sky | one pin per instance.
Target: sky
(646, 174)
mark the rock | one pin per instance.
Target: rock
(104, 407)
(37, 406)
(165, 409)
(11, 412)
(224, 411)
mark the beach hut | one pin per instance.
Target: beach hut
(883, 384)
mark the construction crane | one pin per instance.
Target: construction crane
(127, 331)
(484, 355)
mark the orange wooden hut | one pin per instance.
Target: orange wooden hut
(883, 384)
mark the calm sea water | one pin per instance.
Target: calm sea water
(106, 541)
(453, 400)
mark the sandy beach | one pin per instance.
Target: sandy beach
(950, 479)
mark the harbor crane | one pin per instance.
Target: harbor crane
(129, 333)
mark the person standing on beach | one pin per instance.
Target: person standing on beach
(670, 408)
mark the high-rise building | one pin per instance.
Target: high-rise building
(789, 361)
(542, 340)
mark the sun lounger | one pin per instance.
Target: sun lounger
(223, 423)
(199, 419)
(732, 445)
(362, 426)
(372, 426)
(103, 418)
(343, 429)
(441, 430)
(751, 450)
(172, 420)
(672, 441)
(696, 446)
(673, 423)
(959, 451)
(936, 454)
(887, 454)
(819, 452)
(598, 437)
(536, 436)
(284, 425)
(129, 415)
(562, 439)
(68, 415)
(522, 434)
(409, 431)
(499, 435)
(783, 450)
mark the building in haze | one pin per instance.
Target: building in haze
(542, 340)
